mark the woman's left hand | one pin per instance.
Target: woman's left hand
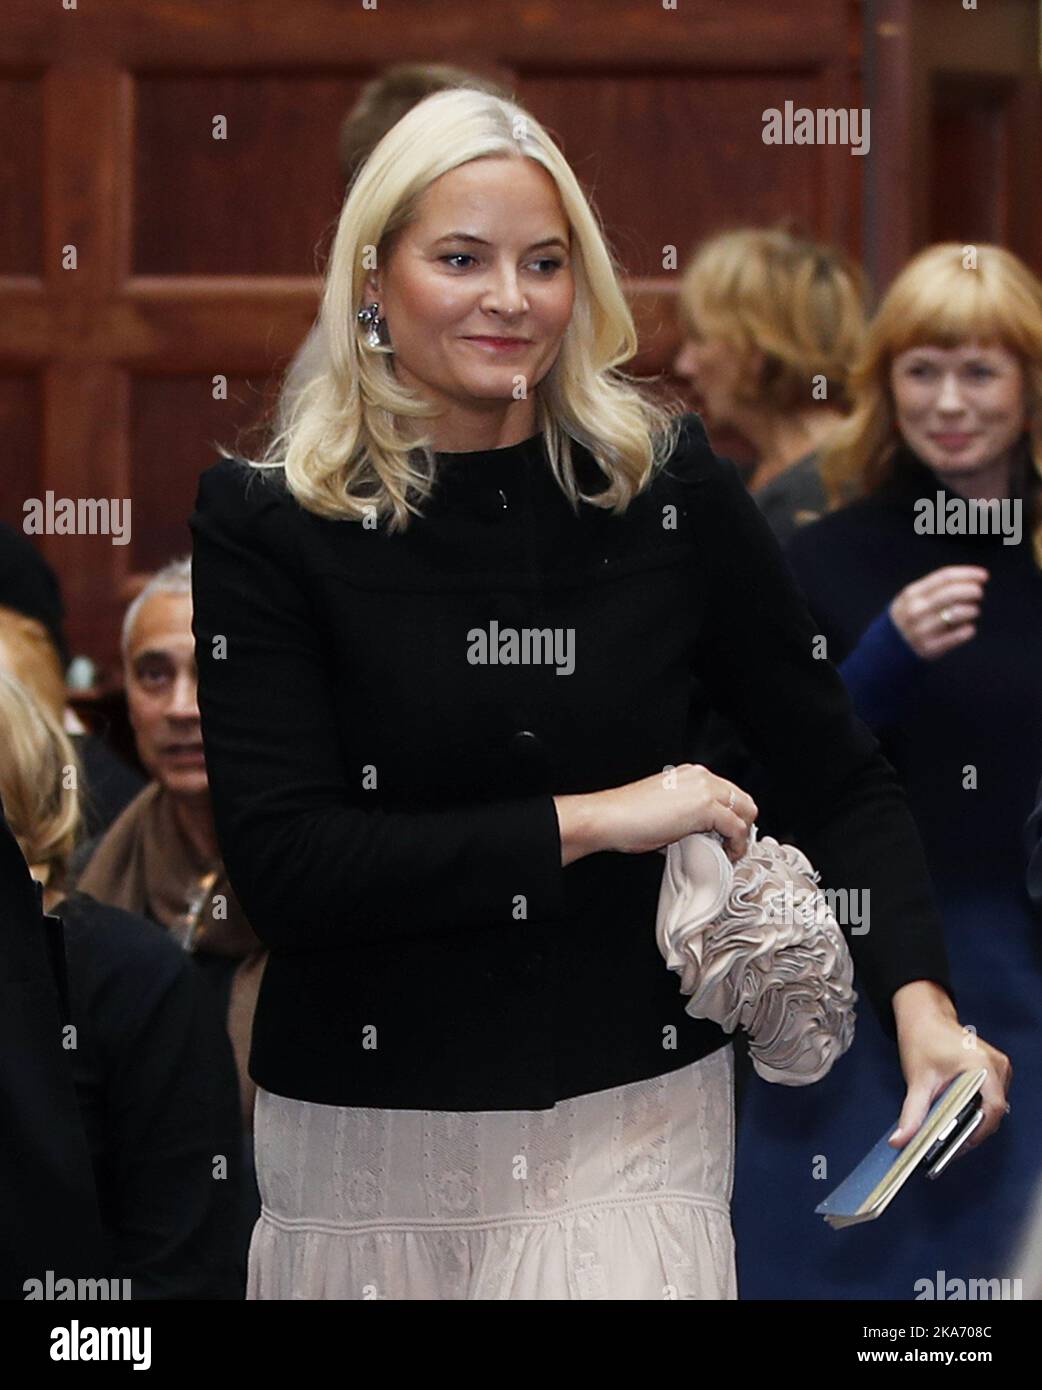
(935, 1047)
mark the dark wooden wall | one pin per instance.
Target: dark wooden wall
(957, 120)
(197, 257)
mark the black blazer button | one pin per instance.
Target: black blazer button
(526, 744)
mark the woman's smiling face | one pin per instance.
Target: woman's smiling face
(960, 409)
(488, 257)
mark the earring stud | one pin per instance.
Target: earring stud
(370, 318)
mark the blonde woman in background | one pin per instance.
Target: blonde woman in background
(772, 322)
(108, 784)
(152, 1067)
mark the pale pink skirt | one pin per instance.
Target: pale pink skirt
(620, 1194)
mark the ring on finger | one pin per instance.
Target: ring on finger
(731, 800)
(946, 617)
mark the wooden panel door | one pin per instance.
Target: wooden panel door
(956, 99)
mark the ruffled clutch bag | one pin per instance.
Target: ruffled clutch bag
(757, 947)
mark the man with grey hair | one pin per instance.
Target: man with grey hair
(173, 578)
(161, 858)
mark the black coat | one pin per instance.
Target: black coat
(428, 950)
(158, 1091)
(49, 1217)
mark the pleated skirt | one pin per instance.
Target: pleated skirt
(619, 1194)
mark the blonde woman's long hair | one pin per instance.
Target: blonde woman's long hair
(946, 296)
(39, 780)
(339, 436)
(798, 302)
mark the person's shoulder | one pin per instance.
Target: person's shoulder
(706, 486)
(712, 491)
(798, 485)
(235, 488)
(692, 460)
(842, 541)
(115, 944)
(140, 997)
(838, 527)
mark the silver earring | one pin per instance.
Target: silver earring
(370, 317)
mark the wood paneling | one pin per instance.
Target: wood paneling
(183, 413)
(955, 100)
(972, 142)
(318, 34)
(200, 207)
(21, 430)
(706, 131)
(21, 103)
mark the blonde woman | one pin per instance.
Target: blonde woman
(28, 652)
(446, 630)
(928, 589)
(772, 321)
(153, 1071)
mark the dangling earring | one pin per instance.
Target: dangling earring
(370, 317)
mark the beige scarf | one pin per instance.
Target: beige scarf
(145, 864)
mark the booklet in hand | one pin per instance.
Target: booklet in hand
(881, 1174)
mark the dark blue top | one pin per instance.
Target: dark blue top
(880, 672)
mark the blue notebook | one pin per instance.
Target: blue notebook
(872, 1186)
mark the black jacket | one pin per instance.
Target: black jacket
(384, 806)
(158, 1091)
(49, 1218)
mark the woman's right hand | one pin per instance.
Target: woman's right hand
(939, 612)
(658, 810)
